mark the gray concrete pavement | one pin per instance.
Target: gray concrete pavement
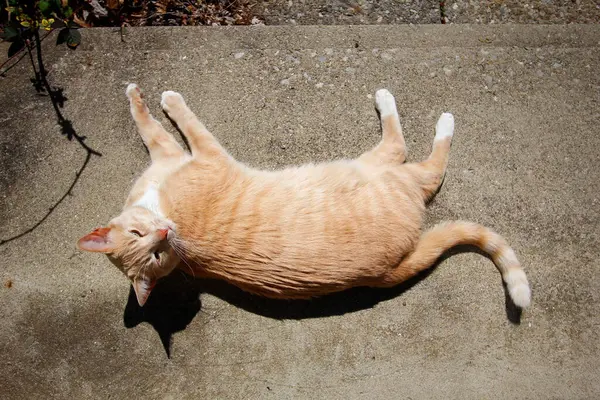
(522, 11)
(344, 12)
(347, 12)
(524, 162)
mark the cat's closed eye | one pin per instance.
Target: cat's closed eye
(136, 232)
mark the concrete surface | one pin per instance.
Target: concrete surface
(524, 162)
(347, 12)
(522, 11)
(358, 12)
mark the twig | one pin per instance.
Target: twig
(19, 53)
(35, 71)
(4, 71)
(122, 30)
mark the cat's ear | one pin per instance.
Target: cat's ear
(98, 241)
(142, 288)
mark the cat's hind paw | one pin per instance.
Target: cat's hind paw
(444, 127)
(170, 100)
(385, 102)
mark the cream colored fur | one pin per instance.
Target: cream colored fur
(295, 233)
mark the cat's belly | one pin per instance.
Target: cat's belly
(307, 238)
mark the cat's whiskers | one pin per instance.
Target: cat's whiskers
(143, 270)
(179, 252)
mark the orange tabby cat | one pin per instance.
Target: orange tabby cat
(295, 233)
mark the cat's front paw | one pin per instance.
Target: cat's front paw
(386, 104)
(170, 101)
(133, 91)
(136, 98)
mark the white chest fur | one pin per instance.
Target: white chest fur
(150, 200)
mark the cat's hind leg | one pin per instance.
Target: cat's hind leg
(442, 237)
(160, 143)
(202, 143)
(392, 148)
(430, 173)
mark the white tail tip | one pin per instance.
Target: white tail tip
(520, 295)
(518, 287)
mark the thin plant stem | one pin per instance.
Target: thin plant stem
(18, 54)
(35, 70)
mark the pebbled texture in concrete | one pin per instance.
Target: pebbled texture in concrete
(522, 12)
(351, 12)
(347, 12)
(524, 162)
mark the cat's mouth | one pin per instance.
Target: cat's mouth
(170, 234)
(167, 234)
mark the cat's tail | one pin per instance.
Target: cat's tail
(442, 237)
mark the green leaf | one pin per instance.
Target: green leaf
(10, 33)
(15, 47)
(62, 36)
(68, 12)
(74, 38)
(44, 7)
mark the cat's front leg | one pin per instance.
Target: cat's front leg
(201, 141)
(160, 143)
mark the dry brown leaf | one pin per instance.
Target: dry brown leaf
(113, 4)
(80, 22)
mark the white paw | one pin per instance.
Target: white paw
(170, 99)
(445, 126)
(385, 103)
(132, 89)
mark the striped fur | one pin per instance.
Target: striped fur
(295, 233)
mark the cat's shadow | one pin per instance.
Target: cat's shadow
(175, 301)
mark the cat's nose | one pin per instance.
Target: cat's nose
(162, 233)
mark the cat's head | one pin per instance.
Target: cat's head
(140, 243)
